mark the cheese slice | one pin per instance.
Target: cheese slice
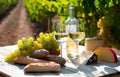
(106, 54)
(92, 43)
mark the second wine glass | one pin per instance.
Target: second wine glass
(60, 35)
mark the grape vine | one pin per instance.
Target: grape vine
(6, 4)
(109, 27)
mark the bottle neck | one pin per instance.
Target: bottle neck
(71, 11)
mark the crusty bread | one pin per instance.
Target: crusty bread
(56, 59)
(42, 67)
(41, 53)
(27, 60)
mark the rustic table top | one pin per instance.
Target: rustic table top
(94, 70)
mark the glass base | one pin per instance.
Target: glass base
(75, 59)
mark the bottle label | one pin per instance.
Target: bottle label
(71, 28)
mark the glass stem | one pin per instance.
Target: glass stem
(77, 47)
(61, 50)
(77, 52)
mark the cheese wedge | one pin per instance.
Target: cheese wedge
(106, 54)
(92, 43)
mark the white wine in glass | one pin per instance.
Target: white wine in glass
(77, 36)
(61, 37)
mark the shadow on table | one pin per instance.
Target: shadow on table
(41, 74)
(87, 70)
(98, 69)
(70, 72)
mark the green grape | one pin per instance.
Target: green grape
(25, 52)
(47, 39)
(41, 35)
(17, 51)
(33, 48)
(23, 39)
(29, 44)
(25, 44)
(39, 40)
(31, 39)
(39, 45)
(19, 41)
(20, 44)
(35, 43)
(52, 34)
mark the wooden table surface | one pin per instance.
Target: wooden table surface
(94, 70)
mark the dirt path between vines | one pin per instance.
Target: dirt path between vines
(15, 26)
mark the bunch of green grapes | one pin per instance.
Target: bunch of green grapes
(25, 47)
(48, 41)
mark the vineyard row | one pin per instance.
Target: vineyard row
(6, 5)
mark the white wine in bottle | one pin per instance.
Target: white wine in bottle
(71, 22)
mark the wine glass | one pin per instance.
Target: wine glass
(77, 36)
(60, 35)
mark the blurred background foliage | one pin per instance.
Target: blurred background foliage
(90, 11)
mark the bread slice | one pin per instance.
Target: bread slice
(42, 67)
(26, 60)
(106, 54)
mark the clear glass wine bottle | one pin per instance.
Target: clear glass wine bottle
(71, 23)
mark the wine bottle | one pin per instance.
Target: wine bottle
(71, 22)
